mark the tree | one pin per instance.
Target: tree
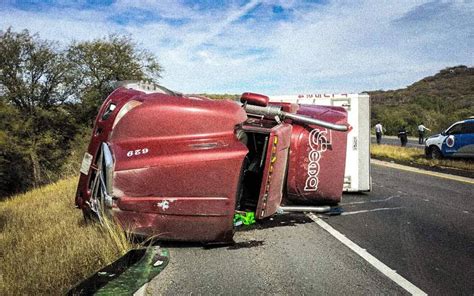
(49, 96)
(12, 165)
(35, 80)
(98, 64)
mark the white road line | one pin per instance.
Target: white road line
(368, 201)
(368, 211)
(142, 291)
(390, 273)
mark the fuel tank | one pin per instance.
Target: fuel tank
(317, 158)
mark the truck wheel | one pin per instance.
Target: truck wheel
(435, 153)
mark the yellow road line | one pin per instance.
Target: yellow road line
(420, 171)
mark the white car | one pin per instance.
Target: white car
(456, 141)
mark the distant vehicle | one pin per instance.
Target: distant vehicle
(456, 141)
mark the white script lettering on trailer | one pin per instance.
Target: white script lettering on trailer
(319, 140)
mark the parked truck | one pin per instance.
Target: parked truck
(180, 167)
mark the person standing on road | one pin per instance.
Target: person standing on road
(379, 131)
(402, 134)
(421, 133)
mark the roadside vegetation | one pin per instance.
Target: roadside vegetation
(46, 247)
(416, 156)
(49, 97)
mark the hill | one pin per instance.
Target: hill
(437, 101)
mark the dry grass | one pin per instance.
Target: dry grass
(45, 247)
(405, 154)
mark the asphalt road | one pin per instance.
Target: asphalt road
(419, 225)
(290, 255)
(426, 232)
(394, 141)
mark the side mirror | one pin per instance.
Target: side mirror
(443, 133)
(254, 99)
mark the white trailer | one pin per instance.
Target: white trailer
(357, 173)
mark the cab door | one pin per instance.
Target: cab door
(271, 190)
(453, 140)
(466, 140)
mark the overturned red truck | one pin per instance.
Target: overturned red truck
(179, 167)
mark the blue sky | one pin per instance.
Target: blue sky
(271, 46)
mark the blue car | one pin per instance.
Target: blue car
(456, 141)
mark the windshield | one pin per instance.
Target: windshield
(455, 129)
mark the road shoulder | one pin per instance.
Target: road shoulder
(431, 172)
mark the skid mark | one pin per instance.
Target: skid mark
(368, 211)
(369, 201)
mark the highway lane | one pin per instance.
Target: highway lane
(286, 255)
(421, 226)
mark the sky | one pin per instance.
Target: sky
(271, 46)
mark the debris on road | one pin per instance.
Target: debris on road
(126, 275)
(245, 218)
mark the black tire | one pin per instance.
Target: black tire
(435, 153)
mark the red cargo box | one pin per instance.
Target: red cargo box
(317, 158)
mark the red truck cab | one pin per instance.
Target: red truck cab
(178, 167)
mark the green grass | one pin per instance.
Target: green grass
(417, 156)
(45, 246)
